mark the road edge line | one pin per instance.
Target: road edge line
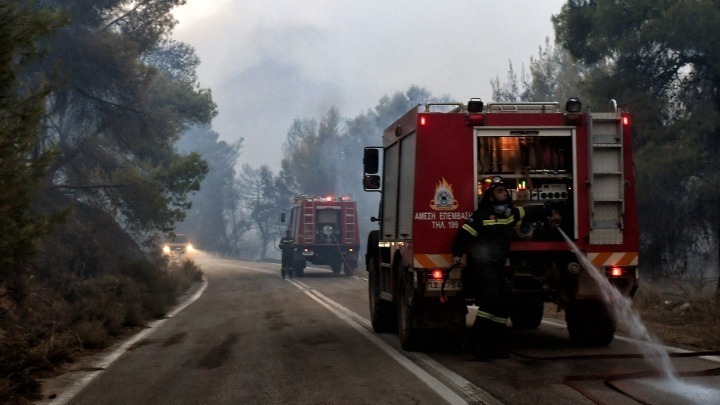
(73, 389)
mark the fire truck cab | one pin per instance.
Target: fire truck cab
(325, 232)
(431, 170)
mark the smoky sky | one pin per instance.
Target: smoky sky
(271, 62)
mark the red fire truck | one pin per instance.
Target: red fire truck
(326, 232)
(434, 161)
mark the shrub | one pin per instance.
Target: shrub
(92, 333)
(62, 313)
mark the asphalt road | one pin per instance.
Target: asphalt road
(246, 336)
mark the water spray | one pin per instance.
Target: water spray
(621, 307)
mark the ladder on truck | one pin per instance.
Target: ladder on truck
(350, 223)
(607, 193)
(308, 221)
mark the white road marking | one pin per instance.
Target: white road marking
(357, 322)
(411, 361)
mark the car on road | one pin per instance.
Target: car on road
(179, 245)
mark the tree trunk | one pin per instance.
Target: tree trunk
(717, 239)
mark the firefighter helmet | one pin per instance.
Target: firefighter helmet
(491, 183)
(488, 186)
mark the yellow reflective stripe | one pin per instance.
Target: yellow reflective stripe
(522, 212)
(505, 221)
(470, 230)
(491, 317)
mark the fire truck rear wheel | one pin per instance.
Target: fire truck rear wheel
(409, 339)
(349, 268)
(299, 268)
(589, 323)
(382, 313)
(336, 265)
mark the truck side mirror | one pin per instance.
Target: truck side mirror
(371, 182)
(282, 217)
(371, 160)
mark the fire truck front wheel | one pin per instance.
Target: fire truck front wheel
(409, 339)
(589, 323)
(382, 313)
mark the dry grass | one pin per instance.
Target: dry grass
(677, 317)
(680, 318)
(56, 320)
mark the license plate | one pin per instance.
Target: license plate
(450, 285)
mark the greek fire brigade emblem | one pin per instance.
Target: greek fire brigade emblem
(444, 199)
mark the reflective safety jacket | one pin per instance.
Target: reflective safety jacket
(287, 244)
(488, 234)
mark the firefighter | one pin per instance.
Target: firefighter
(487, 235)
(287, 246)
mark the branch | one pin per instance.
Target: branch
(123, 16)
(90, 186)
(102, 101)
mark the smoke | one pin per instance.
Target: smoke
(272, 62)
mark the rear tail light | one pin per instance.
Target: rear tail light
(474, 120)
(615, 272)
(436, 274)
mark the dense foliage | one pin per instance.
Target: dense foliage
(662, 61)
(22, 102)
(214, 220)
(93, 97)
(659, 61)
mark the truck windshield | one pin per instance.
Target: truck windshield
(328, 225)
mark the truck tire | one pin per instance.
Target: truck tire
(527, 309)
(589, 323)
(336, 265)
(299, 268)
(409, 336)
(382, 313)
(349, 268)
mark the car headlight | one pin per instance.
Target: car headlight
(166, 249)
(190, 247)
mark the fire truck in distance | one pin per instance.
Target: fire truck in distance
(434, 161)
(325, 229)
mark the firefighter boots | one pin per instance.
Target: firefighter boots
(478, 343)
(499, 341)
